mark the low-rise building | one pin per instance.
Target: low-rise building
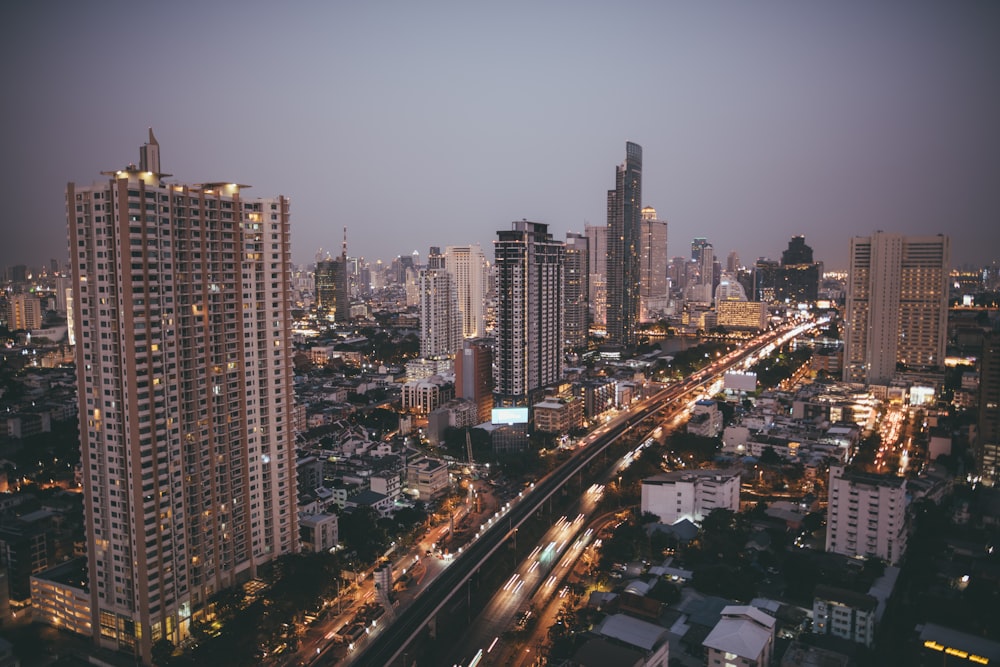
(60, 598)
(845, 614)
(427, 478)
(318, 532)
(743, 637)
(866, 515)
(558, 415)
(690, 494)
(423, 396)
(706, 419)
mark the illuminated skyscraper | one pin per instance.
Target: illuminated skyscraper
(467, 266)
(185, 395)
(440, 325)
(530, 307)
(897, 305)
(653, 286)
(577, 289)
(597, 247)
(624, 246)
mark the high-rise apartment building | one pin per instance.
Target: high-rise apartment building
(987, 449)
(897, 305)
(24, 312)
(440, 324)
(653, 285)
(866, 515)
(597, 247)
(331, 289)
(577, 322)
(467, 266)
(624, 246)
(530, 310)
(474, 375)
(185, 395)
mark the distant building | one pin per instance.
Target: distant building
(467, 266)
(624, 246)
(798, 278)
(653, 286)
(423, 396)
(577, 290)
(866, 515)
(742, 315)
(690, 494)
(24, 312)
(440, 320)
(474, 375)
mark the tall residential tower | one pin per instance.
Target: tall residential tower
(185, 395)
(624, 246)
(530, 307)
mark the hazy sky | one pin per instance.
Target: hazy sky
(429, 123)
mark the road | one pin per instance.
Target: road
(387, 646)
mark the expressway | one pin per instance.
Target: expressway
(387, 647)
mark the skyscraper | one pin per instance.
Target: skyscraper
(577, 290)
(474, 375)
(530, 307)
(798, 279)
(440, 325)
(624, 216)
(653, 286)
(597, 247)
(897, 305)
(185, 395)
(467, 266)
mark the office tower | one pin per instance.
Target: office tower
(765, 279)
(987, 449)
(467, 266)
(597, 242)
(733, 263)
(24, 312)
(332, 286)
(866, 515)
(897, 305)
(577, 322)
(624, 209)
(529, 333)
(440, 324)
(185, 395)
(677, 272)
(653, 286)
(474, 375)
(697, 247)
(798, 279)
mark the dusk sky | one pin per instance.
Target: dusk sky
(431, 123)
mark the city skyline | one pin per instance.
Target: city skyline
(758, 122)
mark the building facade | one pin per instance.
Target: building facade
(987, 448)
(474, 375)
(440, 321)
(690, 494)
(185, 395)
(577, 290)
(624, 246)
(467, 266)
(866, 515)
(530, 311)
(897, 305)
(597, 247)
(653, 284)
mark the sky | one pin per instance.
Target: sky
(438, 123)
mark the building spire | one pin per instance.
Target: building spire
(149, 155)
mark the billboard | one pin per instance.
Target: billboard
(510, 416)
(741, 381)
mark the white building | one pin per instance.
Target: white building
(690, 494)
(706, 419)
(440, 323)
(845, 614)
(653, 286)
(866, 515)
(650, 639)
(427, 478)
(387, 482)
(185, 393)
(468, 269)
(743, 637)
(426, 395)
